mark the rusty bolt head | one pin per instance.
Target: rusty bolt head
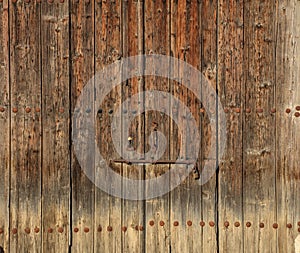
(109, 229)
(99, 229)
(14, 231)
(189, 223)
(176, 223)
(36, 230)
(237, 110)
(60, 230)
(261, 225)
(288, 110)
(15, 109)
(151, 223)
(248, 224)
(27, 230)
(248, 110)
(2, 109)
(237, 224)
(211, 223)
(141, 228)
(226, 224)
(202, 223)
(124, 229)
(76, 230)
(50, 230)
(161, 223)
(259, 110)
(297, 114)
(298, 107)
(1, 231)
(273, 110)
(86, 230)
(275, 225)
(28, 109)
(289, 225)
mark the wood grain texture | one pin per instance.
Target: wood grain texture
(259, 201)
(5, 125)
(157, 41)
(108, 49)
(82, 59)
(231, 93)
(55, 109)
(287, 124)
(25, 72)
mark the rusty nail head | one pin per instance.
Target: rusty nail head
(176, 223)
(61, 110)
(299, 230)
(76, 230)
(151, 223)
(259, 110)
(237, 110)
(50, 1)
(14, 231)
(15, 110)
(226, 110)
(202, 110)
(273, 110)
(161, 223)
(248, 224)
(60, 230)
(261, 225)
(141, 228)
(211, 223)
(226, 224)
(189, 223)
(61, 1)
(36, 230)
(2, 109)
(28, 109)
(248, 110)
(297, 114)
(289, 225)
(99, 229)
(136, 227)
(237, 224)
(109, 228)
(27, 230)
(299, 223)
(275, 225)
(86, 230)
(37, 109)
(202, 223)
(50, 230)
(1, 231)
(298, 107)
(124, 229)
(288, 110)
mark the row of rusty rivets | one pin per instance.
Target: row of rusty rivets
(28, 109)
(38, 1)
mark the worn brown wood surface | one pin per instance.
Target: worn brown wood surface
(249, 53)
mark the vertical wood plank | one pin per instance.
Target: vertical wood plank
(287, 123)
(157, 41)
(55, 109)
(259, 201)
(108, 49)
(132, 43)
(230, 90)
(25, 72)
(82, 53)
(208, 13)
(5, 125)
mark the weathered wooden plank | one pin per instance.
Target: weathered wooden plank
(259, 198)
(157, 41)
(108, 49)
(5, 126)
(133, 210)
(230, 90)
(25, 72)
(287, 123)
(55, 111)
(82, 53)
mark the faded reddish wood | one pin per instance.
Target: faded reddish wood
(5, 126)
(287, 124)
(25, 85)
(82, 59)
(55, 111)
(231, 93)
(259, 199)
